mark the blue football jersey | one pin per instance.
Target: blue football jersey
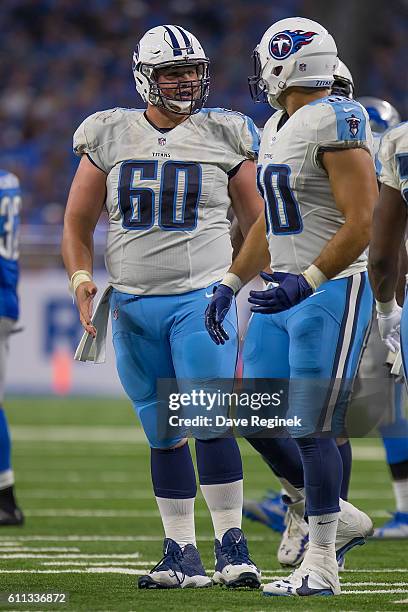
(10, 204)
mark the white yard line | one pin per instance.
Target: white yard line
(89, 513)
(126, 434)
(375, 591)
(18, 549)
(116, 538)
(69, 556)
(97, 563)
(69, 433)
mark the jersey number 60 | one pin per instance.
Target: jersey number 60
(281, 208)
(180, 189)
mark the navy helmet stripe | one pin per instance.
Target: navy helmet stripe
(175, 43)
(187, 41)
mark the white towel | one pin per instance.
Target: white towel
(397, 366)
(94, 349)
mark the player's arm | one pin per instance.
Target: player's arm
(354, 186)
(389, 221)
(386, 257)
(85, 202)
(246, 201)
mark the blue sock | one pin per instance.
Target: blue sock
(283, 457)
(323, 474)
(346, 458)
(173, 475)
(218, 461)
(5, 443)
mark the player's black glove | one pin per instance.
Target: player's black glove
(216, 311)
(292, 289)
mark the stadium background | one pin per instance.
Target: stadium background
(82, 464)
(62, 60)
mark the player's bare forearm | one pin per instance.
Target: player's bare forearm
(354, 185)
(84, 206)
(389, 221)
(344, 248)
(77, 247)
(246, 201)
(254, 254)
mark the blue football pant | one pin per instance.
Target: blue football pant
(164, 337)
(317, 345)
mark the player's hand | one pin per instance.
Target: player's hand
(85, 294)
(290, 290)
(216, 311)
(389, 328)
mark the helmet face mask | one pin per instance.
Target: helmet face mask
(257, 86)
(174, 51)
(293, 52)
(343, 84)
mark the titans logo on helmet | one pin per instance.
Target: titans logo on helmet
(285, 43)
(354, 124)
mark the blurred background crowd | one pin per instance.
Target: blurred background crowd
(62, 60)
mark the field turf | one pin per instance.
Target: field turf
(92, 526)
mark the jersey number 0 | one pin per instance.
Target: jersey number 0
(179, 195)
(281, 207)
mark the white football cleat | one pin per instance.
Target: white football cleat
(317, 575)
(354, 526)
(234, 567)
(295, 538)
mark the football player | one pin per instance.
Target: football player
(168, 175)
(10, 204)
(389, 226)
(288, 518)
(310, 324)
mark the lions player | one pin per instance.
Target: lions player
(389, 227)
(168, 175)
(10, 204)
(318, 180)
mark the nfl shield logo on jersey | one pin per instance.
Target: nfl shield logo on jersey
(161, 142)
(354, 124)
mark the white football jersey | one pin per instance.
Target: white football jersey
(301, 213)
(167, 195)
(393, 159)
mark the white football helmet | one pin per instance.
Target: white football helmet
(292, 52)
(343, 81)
(382, 114)
(164, 47)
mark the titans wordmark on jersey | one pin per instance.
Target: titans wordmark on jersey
(393, 159)
(10, 204)
(167, 195)
(301, 214)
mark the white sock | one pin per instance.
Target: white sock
(178, 519)
(322, 532)
(224, 502)
(401, 494)
(6, 479)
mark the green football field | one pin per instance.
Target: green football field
(92, 526)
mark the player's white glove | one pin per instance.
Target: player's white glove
(389, 319)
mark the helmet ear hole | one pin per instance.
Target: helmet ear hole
(277, 70)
